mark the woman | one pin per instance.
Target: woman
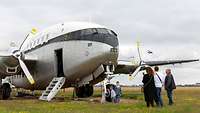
(113, 94)
(149, 87)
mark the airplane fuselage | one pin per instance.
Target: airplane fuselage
(71, 50)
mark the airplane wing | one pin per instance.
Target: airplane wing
(158, 63)
(128, 69)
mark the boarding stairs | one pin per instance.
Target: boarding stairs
(53, 88)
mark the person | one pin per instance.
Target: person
(159, 80)
(113, 94)
(149, 87)
(169, 85)
(118, 92)
(108, 94)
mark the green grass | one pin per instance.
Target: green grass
(187, 100)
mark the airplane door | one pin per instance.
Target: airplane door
(59, 62)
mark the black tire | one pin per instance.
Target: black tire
(88, 90)
(84, 91)
(79, 92)
(6, 90)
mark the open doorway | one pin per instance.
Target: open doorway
(59, 62)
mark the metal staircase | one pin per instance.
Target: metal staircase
(53, 88)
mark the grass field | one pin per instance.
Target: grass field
(187, 100)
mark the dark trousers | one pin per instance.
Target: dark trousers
(158, 97)
(149, 98)
(169, 95)
(150, 103)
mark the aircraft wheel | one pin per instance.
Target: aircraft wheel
(84, 91)
(6, 90)
(88, 90)
(79, 91)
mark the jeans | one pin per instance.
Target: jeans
(169, 95)
(158, 97)
(113, 99)
(117, 99)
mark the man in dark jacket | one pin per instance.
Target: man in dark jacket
(169, 85)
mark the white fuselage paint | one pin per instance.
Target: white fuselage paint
(79, 59)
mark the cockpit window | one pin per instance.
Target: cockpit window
(96, 31)
(112, 32)
(106, 31)
(102, 31)
(87, 31)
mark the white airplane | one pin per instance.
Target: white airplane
(75, 54)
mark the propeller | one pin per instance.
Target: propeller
(141, 62)
(26, 71)
(136, 71)
(18, 54)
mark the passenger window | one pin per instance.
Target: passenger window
(30, 45)
(46, 38)
(42, 39)
(27, 46)
(34, 43)
(38, 41)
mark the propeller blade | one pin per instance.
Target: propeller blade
(136, 71)
(138, 49)
(26, 71)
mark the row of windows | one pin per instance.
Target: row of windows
(37, 41)
(77, 35)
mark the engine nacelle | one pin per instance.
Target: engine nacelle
(9, 65)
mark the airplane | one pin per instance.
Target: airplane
(68, 54)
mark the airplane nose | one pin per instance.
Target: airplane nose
(114, 50)
(112, 55)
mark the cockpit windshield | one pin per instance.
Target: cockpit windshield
(97, 31)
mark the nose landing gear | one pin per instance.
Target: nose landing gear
(109, 71)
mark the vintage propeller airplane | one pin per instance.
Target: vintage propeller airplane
(74, 54)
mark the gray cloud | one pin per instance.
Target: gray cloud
(170, 28)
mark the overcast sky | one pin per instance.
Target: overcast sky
(169, 28)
